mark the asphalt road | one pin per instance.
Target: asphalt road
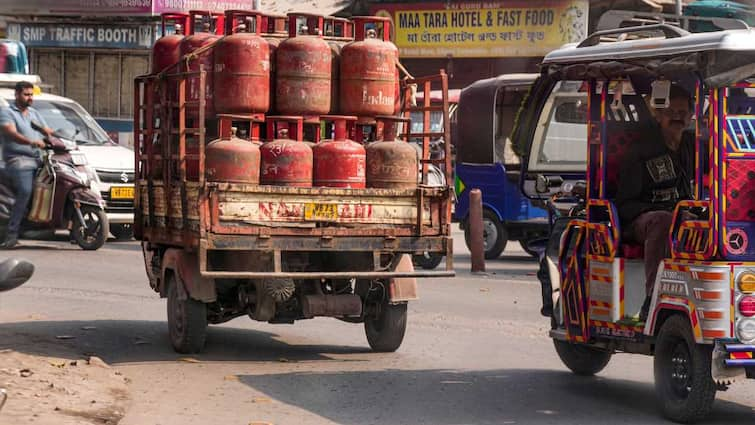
(476, 352)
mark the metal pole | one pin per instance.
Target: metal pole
(679, 7)
(476, 231)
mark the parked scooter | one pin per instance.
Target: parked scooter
(13, 273)
(62, 197)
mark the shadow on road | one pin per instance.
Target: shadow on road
(443, 397)
(123, 341)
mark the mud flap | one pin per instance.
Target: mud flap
(720, 373)
(186, 267)
(403, 288)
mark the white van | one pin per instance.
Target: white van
(113, 164)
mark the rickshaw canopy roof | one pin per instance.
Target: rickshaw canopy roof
(477, 114)
(721, 58)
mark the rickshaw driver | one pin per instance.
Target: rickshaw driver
(652, 180)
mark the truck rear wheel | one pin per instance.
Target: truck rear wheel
(581, 359)
(682, 372)
(385, 331)
(187, 320)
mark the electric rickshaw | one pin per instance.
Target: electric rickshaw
(700, 326)
(485, 160)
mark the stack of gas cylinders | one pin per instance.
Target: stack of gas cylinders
(292, 79)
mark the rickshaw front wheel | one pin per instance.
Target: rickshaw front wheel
(682, 367)
(582, 359)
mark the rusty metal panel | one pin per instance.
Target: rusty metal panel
(343, 243)
(192, 195)
(282, 209)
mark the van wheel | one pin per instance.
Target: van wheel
(187, 321)
(582, 359)
(494, 235)
(682, 368)
(385, 331)
(93, 234)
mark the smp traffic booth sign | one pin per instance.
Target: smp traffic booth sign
(83, 35)
(485, 30)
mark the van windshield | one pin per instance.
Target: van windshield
(68, 118)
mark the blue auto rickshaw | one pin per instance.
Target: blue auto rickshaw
(485, 160)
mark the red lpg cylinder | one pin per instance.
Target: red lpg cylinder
(230, 159)
(275, 30)
(166, 50)
(392, 163)
(369, 78)
(339, 162)
(285, 159)
(338, 31)
(303, 70)
(194, 41)
(242, 66)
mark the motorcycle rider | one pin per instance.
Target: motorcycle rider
(21, 153)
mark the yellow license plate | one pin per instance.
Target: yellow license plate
(313, 211)
(121, 193)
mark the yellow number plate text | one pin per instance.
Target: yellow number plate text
(121, 193)
(314, 211)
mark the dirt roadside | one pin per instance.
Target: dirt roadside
(59, 391)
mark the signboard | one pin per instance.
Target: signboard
(485, 29)
(84, 35)
(117, 7)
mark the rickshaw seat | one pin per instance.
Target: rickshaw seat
(619, 143)
(622, 135)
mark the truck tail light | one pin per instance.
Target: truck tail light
(747, 306)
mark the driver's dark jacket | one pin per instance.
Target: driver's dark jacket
(653, 178)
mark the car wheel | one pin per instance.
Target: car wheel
(122, 232)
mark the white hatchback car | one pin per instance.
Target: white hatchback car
(113, 164)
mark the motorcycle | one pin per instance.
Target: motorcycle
(13, 273)
(62, 197)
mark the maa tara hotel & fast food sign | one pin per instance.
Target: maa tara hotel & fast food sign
(485, 29)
